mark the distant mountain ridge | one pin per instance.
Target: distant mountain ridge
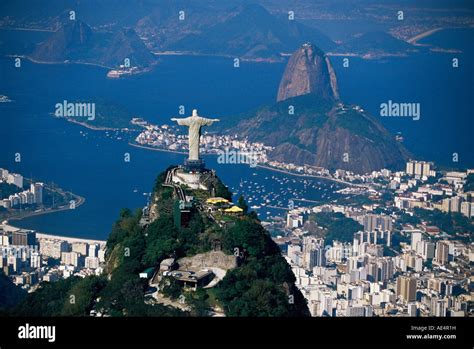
(75, 41)
(375, 43)
(161, 27)
(249, 31)
(252, 32)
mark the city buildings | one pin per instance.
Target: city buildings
(34, 195)
(314, 253)
(420, 168)
(372, 222)
(398, 264)
(406, 288)
(23, 238)
(29, 258)
(442, 252)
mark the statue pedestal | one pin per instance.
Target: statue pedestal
(191, 179)
(194, 165)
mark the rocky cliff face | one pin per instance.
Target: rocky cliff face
(308, 71)
(322, 131)
(66, 43)
(340, 145)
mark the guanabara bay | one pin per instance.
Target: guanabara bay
(195, 250)
(209, 173)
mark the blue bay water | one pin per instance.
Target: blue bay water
(444, 93)
(91, 164)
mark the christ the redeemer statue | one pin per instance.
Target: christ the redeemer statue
(194, 123)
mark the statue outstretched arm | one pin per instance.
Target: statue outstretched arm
(182, 122)
(208, 122)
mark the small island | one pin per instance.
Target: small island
(96, 115)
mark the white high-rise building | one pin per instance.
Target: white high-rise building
(16, 179)
(326, 304)
(313, 252)
(71, 258)
(418, 267)
(372, 222)
(53, 248)
(93, 250)
(426, 170)
(442, 252)
(3, 174)
(467, 209)
(355, 311)
(293, 251)
(92, 262)
(416, 236)
(30, 198)
(15, 262)
(456, 203)
(420, 168)
(438, 307)
(37, 190)
(80, 247)
(101, 255)
(412, 309)
(315, 258)
(294, 220)
(4, 240)
(35, 260)
(353, 263)
(426, 249)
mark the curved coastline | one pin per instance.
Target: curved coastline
(260, 166)
(79, 201)
(27, 214)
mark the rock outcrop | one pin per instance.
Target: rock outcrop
(321, 131)
(308, 71)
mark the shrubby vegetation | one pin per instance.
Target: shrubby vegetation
(261, 287)
(262, 284)
(243, 204)
(170, 287)
(10, 294)
(107, 115)
(336, 226)
(122, 294)
(469, 185)
(362, 126)
(451, 223)
(69, 297)
(8, 189)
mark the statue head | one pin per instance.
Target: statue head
(195, 112)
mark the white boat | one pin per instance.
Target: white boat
(4, 99)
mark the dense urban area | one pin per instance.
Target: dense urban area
(394, 244)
